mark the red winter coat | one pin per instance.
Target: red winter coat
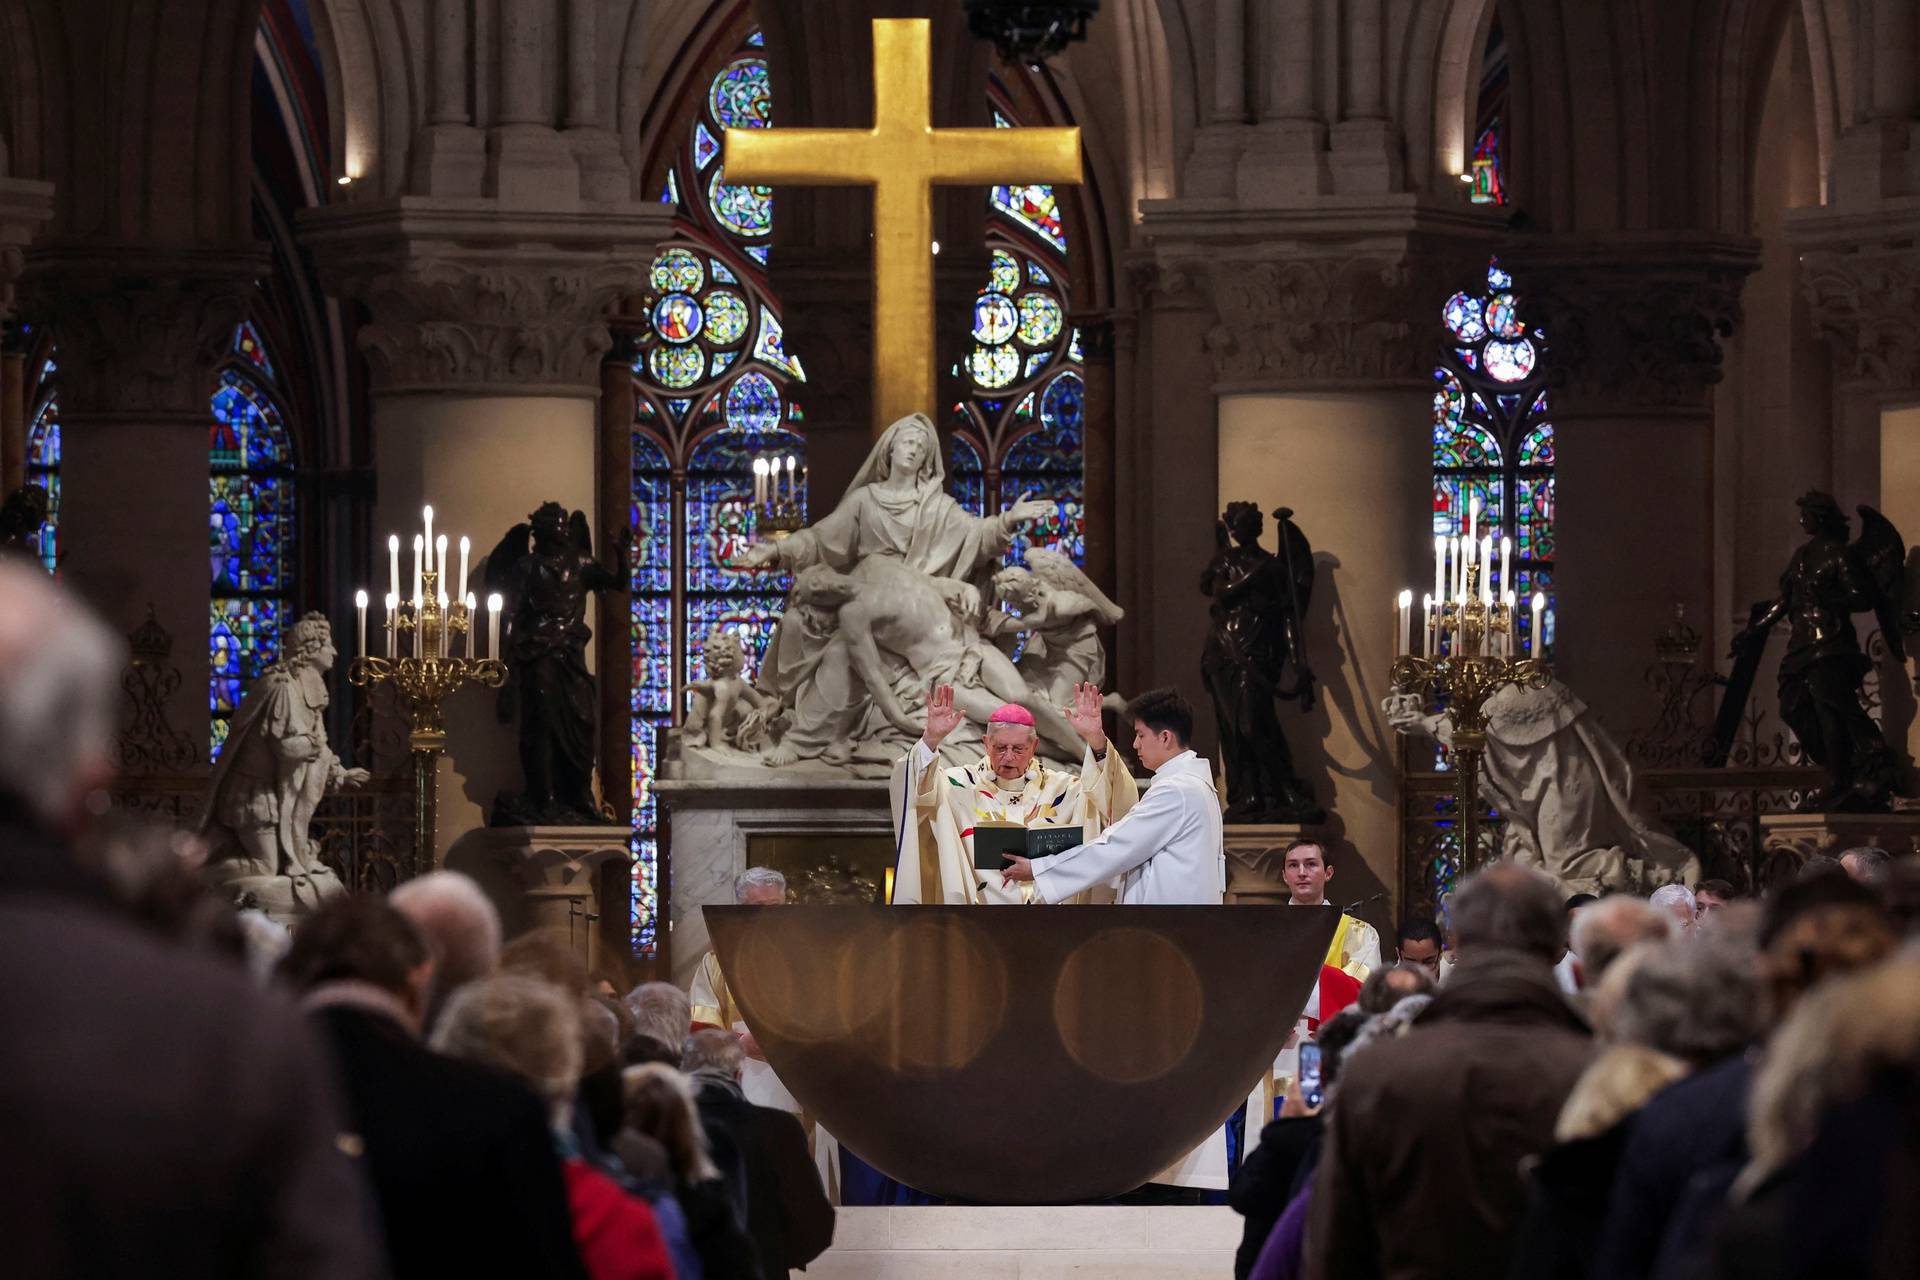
(616, 1232)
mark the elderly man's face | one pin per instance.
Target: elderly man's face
(763, 895)
(1010, 750)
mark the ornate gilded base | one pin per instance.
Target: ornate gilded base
(1254, 863)
(1789, 839)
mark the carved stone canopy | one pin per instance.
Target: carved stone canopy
(1867, 304)
(466, 296)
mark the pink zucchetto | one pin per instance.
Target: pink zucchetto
(1012, 713)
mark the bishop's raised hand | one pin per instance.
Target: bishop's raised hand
(942, 716)
(1085, 716)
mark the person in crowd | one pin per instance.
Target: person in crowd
(787, 1213)
(1566, 970)
(662, 1013)
(1609, 928)
(459, 922)
(459, 1156)
(660, 1111)
(1711, 895)
(1868, 865)
(1412, 1182)
(1663, 1010)
(1834, 1132)
(164, 1116)
(1678, 900)
(531, 1029)
(1388, 987)
(1690, 1141)
(1269, 1177)
(1418, 942)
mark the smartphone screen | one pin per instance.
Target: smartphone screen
(1312, 1092)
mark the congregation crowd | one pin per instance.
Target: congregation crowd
(1691, 1086)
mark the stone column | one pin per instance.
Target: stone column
(140, 334)
(485, 336)
(1322, 374)
(1634, 340)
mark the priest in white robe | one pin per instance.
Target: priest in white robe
(937, 809)
(1167, 851)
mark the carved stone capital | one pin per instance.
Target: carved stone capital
(140, 331)
(468, 297)
(1314, 321)
(24, 208)
(1866, 302)
(1634, 329)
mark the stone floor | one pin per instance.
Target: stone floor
(1088, 1242)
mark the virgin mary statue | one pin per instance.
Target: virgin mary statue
(896, 511)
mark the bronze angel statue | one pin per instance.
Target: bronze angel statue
(1061, 612)
(1825, 584)
(1255, 641)
(545, 568)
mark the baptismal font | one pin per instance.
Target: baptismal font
(1470, 643)
(422, 632)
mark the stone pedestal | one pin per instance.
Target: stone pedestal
(1255, 866)
(1167, 1242)
(556, 870)
(816, 831)
(1789, 839)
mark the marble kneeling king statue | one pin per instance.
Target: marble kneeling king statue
(274, 769)
(1572, 806)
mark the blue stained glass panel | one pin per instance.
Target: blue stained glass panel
(43, 469)
(966, 478)
(741, 96)
(243, 640)
(705, 148)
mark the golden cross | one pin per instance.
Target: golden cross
(901, 158)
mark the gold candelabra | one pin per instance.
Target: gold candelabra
(433, 627)
(1472, 652)
(777, 514)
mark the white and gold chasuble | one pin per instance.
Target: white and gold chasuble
(935, 811)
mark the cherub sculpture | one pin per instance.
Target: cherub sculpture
(273, 770)
(545, 568)
(726, 710)
(1061, 611)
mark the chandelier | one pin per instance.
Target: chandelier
(1029, 32)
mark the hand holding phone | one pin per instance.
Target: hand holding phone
(1312, 1089)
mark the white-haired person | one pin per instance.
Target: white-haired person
(460, 922)
(1603, 931)
(1678, 899)
(531, 1030)
(144, 1088)
(660, 1111)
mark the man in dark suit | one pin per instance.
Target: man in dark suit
(786, 1209)
(461, 1158)
(162, 1116)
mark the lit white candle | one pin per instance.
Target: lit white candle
(1453, 554)
(1506, 562)
(1426, 625)
(417, 541)
(440, 562)
(1486, 570)
(1539, 608)
(759, 482)
(493, 625)
(360, 606)
(393, 565)
(793, 495)
(1512, 602)
(393, 603)
(1405, 605)
(426, 514)
(445, 616)
(473, 619)
(464, 547)
(1439, 565)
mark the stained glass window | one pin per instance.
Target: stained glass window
(43, 460)
(713, 389)
(1492, 437)
(1486, 168)
(1020, 433)
(251, 530)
